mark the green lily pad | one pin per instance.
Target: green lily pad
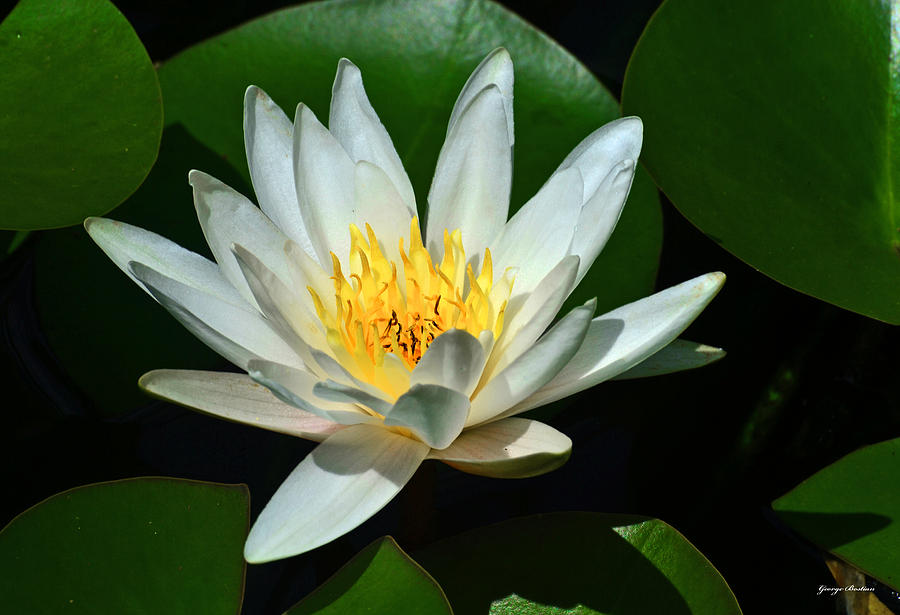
(144, 545)
(105, 330)
(80, 112)
(851, 509)
(413, 82)
(578, 564)
(770, 125)
(379, 579)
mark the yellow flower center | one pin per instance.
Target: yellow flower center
(378, 312)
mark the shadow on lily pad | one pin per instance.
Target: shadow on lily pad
(612, 564)
(834, 530)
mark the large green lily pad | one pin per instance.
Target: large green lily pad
(851, 508)
(80, 112)
(380, 579)
(415, 58)
(578, 564)
(771, 126)
(146, 545)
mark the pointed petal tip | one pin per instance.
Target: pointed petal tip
(633, 119)
(715, 280)
(499, 55)
(345, 64)
(145, 382)
(254, 554)
(196, 177)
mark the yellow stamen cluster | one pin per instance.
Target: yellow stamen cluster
(378, 310)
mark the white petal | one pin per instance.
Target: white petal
(124, 243)
(324, 182)
(435, 414)
(534, 368)
(471, 184)
(306, 272)
(496, 69)
(339, 373)
(529, 320)
(678, 356)
(379, 204)
(511, 448)
(268, 139)
(600, 215)
(602, 150)
(619, 340)
(234, 332)
(343, 482)
(228, 217)
(235, 397)
(538, 236)
(356, 126)
(295, 387)
(335, 391)
(606, 160)
(454, 360)
(290, 315)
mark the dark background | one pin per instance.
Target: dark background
(707, 451)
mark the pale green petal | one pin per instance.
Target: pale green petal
(435, 414)
(454, 360)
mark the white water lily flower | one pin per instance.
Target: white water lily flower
(387, 346)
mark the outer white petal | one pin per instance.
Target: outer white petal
(268, 139)
(295, 387)
(534, 368)
(356, 126)
(606, 159)
(234, 332)
(496, 69)
(235, 397)
(435, 414)
(454, 360)
(621, 339)
(228, 217)
(600, 215)
(538, 236)
(343, 482)
(124, 243)
(511, 448)
(471, 184)
(529, 320)
(602, 150)
(678, 356)
(324, 182)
